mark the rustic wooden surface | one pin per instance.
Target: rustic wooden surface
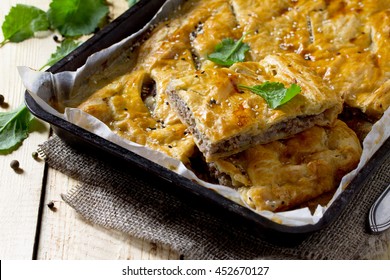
(25, 231)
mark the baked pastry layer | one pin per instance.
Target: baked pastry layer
(127, 106)
(173, 96)
(285, 173)
(225, 119)
(346, 42)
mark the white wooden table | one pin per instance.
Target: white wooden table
(28, 228)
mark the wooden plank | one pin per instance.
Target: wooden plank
(20, 193)
(66, 235)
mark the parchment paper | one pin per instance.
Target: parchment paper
(44, 85)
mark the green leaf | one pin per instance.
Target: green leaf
(229, 52)
(22, 22)
(132, 2)
(14, 128)
(77, 17)
(275, 94)
(67, 46)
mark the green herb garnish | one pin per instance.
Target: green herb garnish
(14, 127)
(22, 22)
(63, 50)
(132, 2)
(275, 94)
(71, 18)
(229, 52)
(77, 17)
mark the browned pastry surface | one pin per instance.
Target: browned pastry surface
(122, 106)
(346, 41)
(174, 98)
(286, 173)
(226, 120)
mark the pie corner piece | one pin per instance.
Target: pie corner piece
(284, 174)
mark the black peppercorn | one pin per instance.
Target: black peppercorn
(56, 39)
(14, 164)
(50, 204)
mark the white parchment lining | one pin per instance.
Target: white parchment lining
(44, 85)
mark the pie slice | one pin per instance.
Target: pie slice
(286, 173)
(225, 119)
(129, 107)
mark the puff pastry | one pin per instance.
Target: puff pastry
(122, 106)
(346, 42)
(285, 173)
(175, 100)
(226, 120)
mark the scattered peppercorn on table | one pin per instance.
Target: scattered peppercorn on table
(35, 222)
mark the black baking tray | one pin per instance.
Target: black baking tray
(127, 24)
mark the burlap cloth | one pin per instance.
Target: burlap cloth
(113, 197)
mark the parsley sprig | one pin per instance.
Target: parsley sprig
(275, 94)
(66, 47)
(229, 52)
(22, 22)
(77, 17)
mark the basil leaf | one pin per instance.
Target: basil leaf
(66, 47)
(275, 94)
(22, 22)
(77, 17)
(229, 52)
(14, 128)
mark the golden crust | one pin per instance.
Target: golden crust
(120, 106)
(198, 27)
(283, 174)
(220, 111)
(337, 51)
(346, 42)
(352, 54)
